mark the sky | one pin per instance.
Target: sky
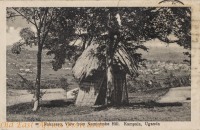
(14, 27)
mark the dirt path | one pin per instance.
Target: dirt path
(23, 96)
(180, 94)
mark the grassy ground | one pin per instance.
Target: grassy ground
(142, 107)
(53, 111)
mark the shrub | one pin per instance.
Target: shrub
(64, 84)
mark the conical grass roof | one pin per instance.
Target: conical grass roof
(88, 62)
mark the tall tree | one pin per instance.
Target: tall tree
(45, 20)
(128, 28)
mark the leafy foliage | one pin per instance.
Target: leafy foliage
(128, 28)
(28, 36)
(63, 83)
(16, 48)
(110, 27)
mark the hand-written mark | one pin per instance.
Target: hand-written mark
(173, 1)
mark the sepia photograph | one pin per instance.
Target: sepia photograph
(98, 64)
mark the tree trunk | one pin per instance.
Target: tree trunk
(124, 92)
(38, 77)
(110, 81)
(112, 89)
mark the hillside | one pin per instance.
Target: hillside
(160, 51)
(162, 61)
(25, 64)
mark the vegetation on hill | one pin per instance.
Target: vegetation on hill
(156, 71)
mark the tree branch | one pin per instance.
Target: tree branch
(38, 16)
(44, 16)
(23, 16)
(35, 21)
(10, 16)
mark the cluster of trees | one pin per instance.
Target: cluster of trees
(113, 28)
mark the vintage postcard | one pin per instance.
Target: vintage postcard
(100, 64)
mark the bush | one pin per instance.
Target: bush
(64, 84)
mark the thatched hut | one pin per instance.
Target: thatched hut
(90, 71)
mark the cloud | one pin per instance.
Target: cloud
(33, 29)
(12, 35)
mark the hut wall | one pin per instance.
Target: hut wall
(89, 91)
(93, 91)
(102, 93)
(87, 97)
(119, 84)
(118, 93)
